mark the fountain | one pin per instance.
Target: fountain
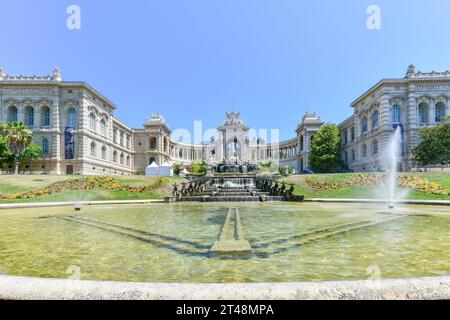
(389, 189)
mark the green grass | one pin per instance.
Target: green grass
(360, 192)
(24, 183)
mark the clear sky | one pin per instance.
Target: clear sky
(272, 60)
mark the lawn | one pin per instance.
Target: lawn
(14, 184)
(363, 191)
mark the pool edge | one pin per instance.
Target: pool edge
(24, 288)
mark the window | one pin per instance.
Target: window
(364, 150)
(440, 112)
(122, 158)
(352, 133)
(104, 150)
(115, 135)
(375, 147)
(46, 117)
(128, 161)
(375, 119)
(345, 157)
(115, 156)
(29, 116)
(71, 118)
(93, 149)
(128, 141)
(153, 143)
(423, 108)
(396, 114)
(353, 154)
(12, 114)
(103, 127)
(364, 125)
(92, 120)
(121, 139)
(345, 137)
(45, 146)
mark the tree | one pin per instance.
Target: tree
(18, 137)
(325, 150)
(434, 147)
(33, 152)
(6, 157)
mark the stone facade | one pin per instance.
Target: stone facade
(78, 132)
(418, 100)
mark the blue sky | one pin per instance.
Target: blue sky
(272, 60)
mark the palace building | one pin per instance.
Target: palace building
(78, 132)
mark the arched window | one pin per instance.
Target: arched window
(364, 124)
(12, 114)
(128, 141)
(122, 158)
(103, 127)
(115, 135)
(115, 156)
(375, 147)
(29, 116)
(104, 152)
(45, 117)
(93, 149)
(128, 160)
(166, 144)
(121, 139)
(180, 154)
(151, 160)
(353, 154)
(423, 113)
(71, 118)
(352, 133)
(440, 112)
(396, 114)
(92, 120)
(375, 119)
(45, 146)
(153, 143)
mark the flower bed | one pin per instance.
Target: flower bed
(85, 184)
(406, 181)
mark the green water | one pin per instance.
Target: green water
(170, 243)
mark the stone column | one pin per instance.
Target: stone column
(431, 112)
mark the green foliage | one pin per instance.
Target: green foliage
(325, 150)
(198, 168)
(434, 148)
(6, 157)
(18, 138)
(33, 152)
(286, 171)
(177, 168)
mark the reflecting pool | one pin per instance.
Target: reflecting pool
(171, 243)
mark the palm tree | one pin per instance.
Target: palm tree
(18, 137)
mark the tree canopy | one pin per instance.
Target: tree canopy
(325, 150)
(434, 148)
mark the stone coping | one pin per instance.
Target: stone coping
(23, 288)
(416, 202)
(124, 202)
(72, 203)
